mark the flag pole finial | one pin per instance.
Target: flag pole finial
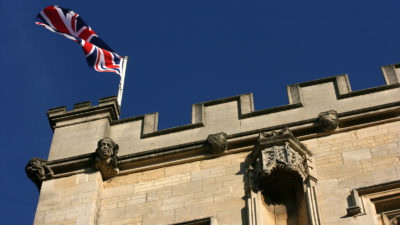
(121, 83)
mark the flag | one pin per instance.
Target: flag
(69, 24)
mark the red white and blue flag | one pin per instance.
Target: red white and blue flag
(69, 24)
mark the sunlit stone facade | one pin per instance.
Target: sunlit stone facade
(331, 156)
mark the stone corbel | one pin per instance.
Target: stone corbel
(328, 121)
(217, 143)
(106, 160)
(37, 170)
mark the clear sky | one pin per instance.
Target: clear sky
(180, 52)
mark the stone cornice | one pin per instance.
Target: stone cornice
(239, 142)
(143, 146)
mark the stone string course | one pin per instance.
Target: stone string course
(82, 127)
(214, 187)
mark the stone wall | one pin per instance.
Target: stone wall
(83, 126)
(210, 188)
(215, 187)
(70, 200)
(171, 176)
(354, 159)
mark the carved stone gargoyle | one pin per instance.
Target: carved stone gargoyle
(106, 158)
(37, 170)
(328, 121)
(217, 143)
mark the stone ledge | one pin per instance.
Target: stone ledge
(195, 151)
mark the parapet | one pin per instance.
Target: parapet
(328, 102)
(84, 111)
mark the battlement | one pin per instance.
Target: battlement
(83, 126)
(84, 111)
(328, 139)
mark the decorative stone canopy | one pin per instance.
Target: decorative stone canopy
(279, 166)
(279, 149)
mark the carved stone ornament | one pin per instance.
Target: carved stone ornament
(282, 157)
(217, 142)
(278, 150)
(37, 170)
(106, 158)
(276, 133)
(279, 166)
(328, 121)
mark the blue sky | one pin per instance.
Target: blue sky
(180, 52)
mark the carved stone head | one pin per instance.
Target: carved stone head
(106, 148)
(328, 121)
(217, 142)
(37, 170)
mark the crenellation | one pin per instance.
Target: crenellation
(235, 114)
(226, 164)
(391, 74)
(82, 105)
(84, 112)
(56, 111)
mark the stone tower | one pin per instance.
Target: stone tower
(331, 156)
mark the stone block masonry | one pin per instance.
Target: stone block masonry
(82, 127)
(347, 140)
(175, 197)
(354, 159)
(70, 200)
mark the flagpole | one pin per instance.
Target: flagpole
(121, 83)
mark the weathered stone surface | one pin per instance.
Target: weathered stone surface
(356, 155)
(363, 151)
(106, 158)
(38, 171)
(231, 115)
(217, 142)
(76, 203)
(328, 121)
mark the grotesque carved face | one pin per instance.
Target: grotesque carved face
(35, 166)
(328, 120)
(217, 142)
(37, 170)
(106, 148)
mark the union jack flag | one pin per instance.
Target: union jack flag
(69, 24)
